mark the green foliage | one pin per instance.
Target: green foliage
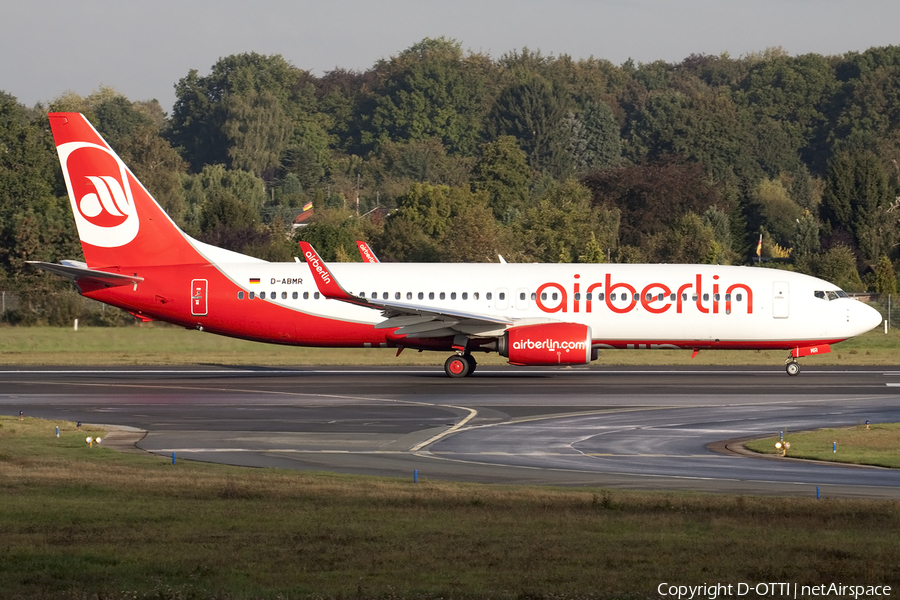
(502, 171)
(563, 225)
(431, 90)
(838, 266)
(857, 199)
(885, 279)
(534, 113)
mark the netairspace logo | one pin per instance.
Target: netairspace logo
(771, 590)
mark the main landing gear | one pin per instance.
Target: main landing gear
(792, 366)
(460, 365)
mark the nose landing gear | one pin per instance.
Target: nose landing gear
(792, 366)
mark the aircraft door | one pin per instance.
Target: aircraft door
(780, 299)
(502, 299)
(198, 297)
(522, 299)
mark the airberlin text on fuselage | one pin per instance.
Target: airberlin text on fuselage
(648, 297)
(313, 260)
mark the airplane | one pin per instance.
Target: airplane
(137, 258)
(366, 253)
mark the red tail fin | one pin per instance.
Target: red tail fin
(119, 222)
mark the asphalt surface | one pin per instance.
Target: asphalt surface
(639, 428)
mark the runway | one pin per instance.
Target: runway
(637, 428)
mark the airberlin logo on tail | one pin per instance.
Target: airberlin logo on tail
(100, 193)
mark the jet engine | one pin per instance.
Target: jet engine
(547, 344)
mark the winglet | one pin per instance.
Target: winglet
(367, 255)
(325, 281)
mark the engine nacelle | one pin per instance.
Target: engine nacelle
(547, 344)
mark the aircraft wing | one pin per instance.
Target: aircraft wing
(85, 278)
(410, 319)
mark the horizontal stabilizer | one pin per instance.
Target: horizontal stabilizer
(87, 278)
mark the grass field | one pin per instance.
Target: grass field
(878, 445)
(80, 522)
(155, 344)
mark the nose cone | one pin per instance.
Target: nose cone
(866, 317)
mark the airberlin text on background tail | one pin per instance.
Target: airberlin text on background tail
(139, 260)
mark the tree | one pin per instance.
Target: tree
(652, 197)
(431, 90)
(563, 225)
(502, 171)
(595, 138)
(885, 279)
(534, 113)
(838, 266)
(257, 129)
(690, 241)
(857, 198)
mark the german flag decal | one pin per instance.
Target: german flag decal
(254, 280)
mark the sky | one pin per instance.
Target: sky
(142, 49)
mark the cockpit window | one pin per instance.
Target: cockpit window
(830, 294)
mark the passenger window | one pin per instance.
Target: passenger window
(672, 298)
(396, 295)
(252, 295)
(384, 296)
(316, 296)
(661, 297)
(502, 296)
(294, 296)
(274, 295)
(637, 297)
(431, 295)
(649, 297)
(684, 297)
(612, 297)
(475, 295)
(421, 296)
(409, 295)
(362, 294)
(577, 295)
(739, 297)
(465, 295)
(706, 297)
(588, 296)
(543, 295)
(716, 296)
(284, 295)
(453, 295)
(488, 296)
(727, 297)
(374, 296)
(694, 297)
(553, 296)
(306, 295)
(240, 295)
(262, 295)
(443, 296)
(600, 296)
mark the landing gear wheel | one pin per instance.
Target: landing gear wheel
(457, 366)
(472, 364)
(792, 368)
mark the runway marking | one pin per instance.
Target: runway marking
(455, 428)
(432, 371)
